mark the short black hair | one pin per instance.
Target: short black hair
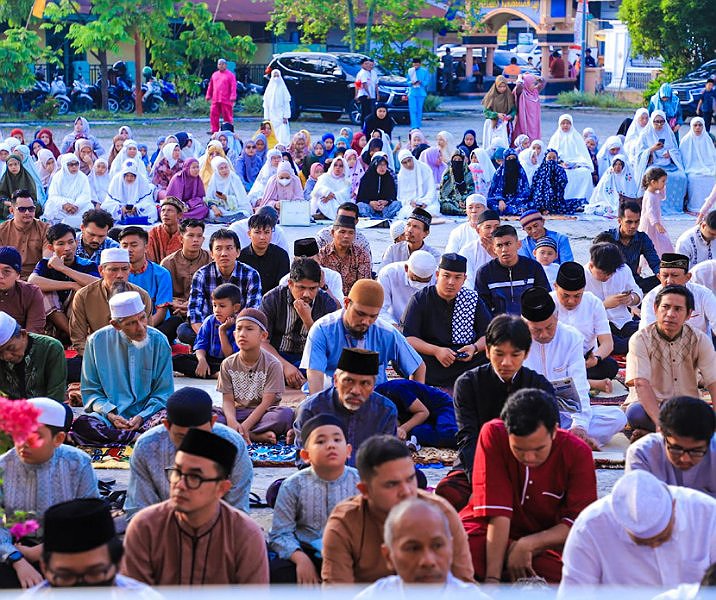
(527, 409)
(305, 268)
(261, 221)
(376, 451)
(710, 220)
(606, 257)
(630, 205)
(505, 230)
(349, 206)
(508, 328)
(680, 290)
(604, 238)
(513, 60)
(58, 231)
(686, 416)
(227, 291)
(99, 217)
(115, 547)
(224, 234)
(186, 223)
(134, 230)
(709, 578)
(22, 193)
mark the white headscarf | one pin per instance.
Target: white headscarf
(650, 136)
(231, 186)
(122, 157)
(129, 193)
(604, 156)
(66, 184)
(168, 154)
(698, 152)
(99, 184)
(631, 141)
(43, 156)
(570, 145)
(483, 158)
(330, 182)
(446, 153)
(525, 158)
(416, 183)
(266, 172)
(605, 197)
(277, 99)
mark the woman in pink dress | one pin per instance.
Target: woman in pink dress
(529, 111)
(654, 184)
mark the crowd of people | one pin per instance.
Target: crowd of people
(493, 346)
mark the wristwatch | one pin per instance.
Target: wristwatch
(13, 557)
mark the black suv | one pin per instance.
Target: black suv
(324, 82)
(691, 86)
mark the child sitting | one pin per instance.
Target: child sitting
(252, 384)
(215, 340)
(306, 499)
(545, 253)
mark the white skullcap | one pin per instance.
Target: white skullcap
(8, 326)
(641, 504)
(110, 255)
(52, 412)
(422, 264)
(397, 228)
(125, 304)
(476, 199)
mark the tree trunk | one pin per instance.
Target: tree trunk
(352, 25)
(104, 78)
(369, 25)
(138, 75)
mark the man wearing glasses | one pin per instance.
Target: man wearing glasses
(24, 231)
(195, 538)
(683, 452)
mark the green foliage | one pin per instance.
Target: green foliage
(20, 49)
(432, 103)
(653, 87)
(679, 31)
(253, 104)
(47, 110)
(597, 100)
(198, 106)
(14, 12)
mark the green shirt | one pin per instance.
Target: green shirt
(41, 373)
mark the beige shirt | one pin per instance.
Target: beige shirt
(671, 367)
(28, 243)
(353, 536)
(249, 383)
(90, 311)
(182, 271)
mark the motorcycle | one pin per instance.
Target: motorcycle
(58, 90)
(151, 96)
(35, 96)
(80, 96)
(169, 91)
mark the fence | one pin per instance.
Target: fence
(635, 79)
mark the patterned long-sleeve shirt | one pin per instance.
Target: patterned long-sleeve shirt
(206, 280)
(304, 503)
(68, 475)
(84, 252)
(353, 266)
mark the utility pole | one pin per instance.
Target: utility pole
(583, 56)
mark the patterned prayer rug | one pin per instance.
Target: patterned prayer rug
(109, 458)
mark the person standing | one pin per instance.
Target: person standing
(222, 95)
(418, 77)
(705, 107)
(366, 86)
(448, 71)
(277, 107)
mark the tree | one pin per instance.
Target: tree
(20, 50)
(679, 31)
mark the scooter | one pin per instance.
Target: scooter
(58, 90)
(169, 91)
(35, 96)
(152, 96)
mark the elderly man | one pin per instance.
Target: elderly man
(532, 223)
(446, 324)
(480, 251)
(418, 547)
(644, 533)
(353, 400)
(347, 209)
(90, 306)
(23, 301)
(358, 326)
(463, 234)
(674, 270)
(695, 242)
(402, 280)
(417, 228)
(187, 408)
(353, 535)
(665, 359)
(531, 480)
(24, 231)
(684, 452)
(222, 95)
(93, 237)
(166, 238)
(345, 256)
(31, 365)
(130, 397)
(556, 353)
(291, 310)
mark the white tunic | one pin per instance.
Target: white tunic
(705, 274)
(460, 236)
(599, 550)
(693, 245)
(703, 317)
(476, 256)
(620, 281)
(393, 587)
(589, 318)
(397, 290)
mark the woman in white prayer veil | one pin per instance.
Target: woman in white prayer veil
(699, 157)
(332, 189)
(129, 194)
(129, 151)
(532, 158)
(631, 141)
(575, 159)
(277, 107)
(273, 160)
(69, 191)
(225, 194)
(608, 151)
(618, 180)
(415, 186)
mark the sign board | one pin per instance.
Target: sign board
(524, 39)
(502, 35)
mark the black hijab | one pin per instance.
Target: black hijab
(374, 186)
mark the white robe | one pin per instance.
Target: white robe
(416, 188)
(631, 141)
(328, 183)
(525, 158)
(277, 107)
(66, 188)
(139, 194)
(266, 172)
(605, 198)
(572, 150)
(236, 201)
(699, 157)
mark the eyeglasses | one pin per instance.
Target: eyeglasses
(69, 579)
(677, 451)
(25, 209)
(192, 481)
(659, 121)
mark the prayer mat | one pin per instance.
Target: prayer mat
(545, 217)
(276, 455)
(435, 457)
(109, 458)
(617, 396)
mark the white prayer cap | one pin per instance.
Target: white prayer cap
(125, 304)
(52, 412)
(422, 264)
(641, 504)
(475, 199)
(397, 228)
(8, 326)
(110, 255)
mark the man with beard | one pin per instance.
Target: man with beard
(130, 397)
(417, 229)
(93, 237)
(353, 400)
(358, 326)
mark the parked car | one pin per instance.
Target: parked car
(691, 86)
(501, 60)
(324, 82)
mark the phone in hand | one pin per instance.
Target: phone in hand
(625, 292)
(129, 207)
(662, 140)
(460, 355)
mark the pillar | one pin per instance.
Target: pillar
(544, 65)
(490, 60)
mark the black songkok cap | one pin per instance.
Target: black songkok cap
(570, 276)
(537, 305)
(488, 215)
(319, 421)
(671, 260)
(189, 407)
(422, 215)
(305, 247)
(453, 262)
(78, 526)
(345, 221)
(198, 442)
(359, 361)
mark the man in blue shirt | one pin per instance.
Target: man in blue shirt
(93, 238)
(532, 223)
(61, 274)
(418, 77)
(705, 107)
(358, 326)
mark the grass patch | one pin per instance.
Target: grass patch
(253, 104)
(432, 103)
(575, 98)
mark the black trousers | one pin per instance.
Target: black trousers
(367, 106)
(169, 328)
(186, 364)
(284, 571)
(708, 117)
(647, 283)
(606, 369)
(621, 335)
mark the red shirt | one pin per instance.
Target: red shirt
(535, 499)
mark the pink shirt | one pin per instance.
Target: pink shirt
(222, 87)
